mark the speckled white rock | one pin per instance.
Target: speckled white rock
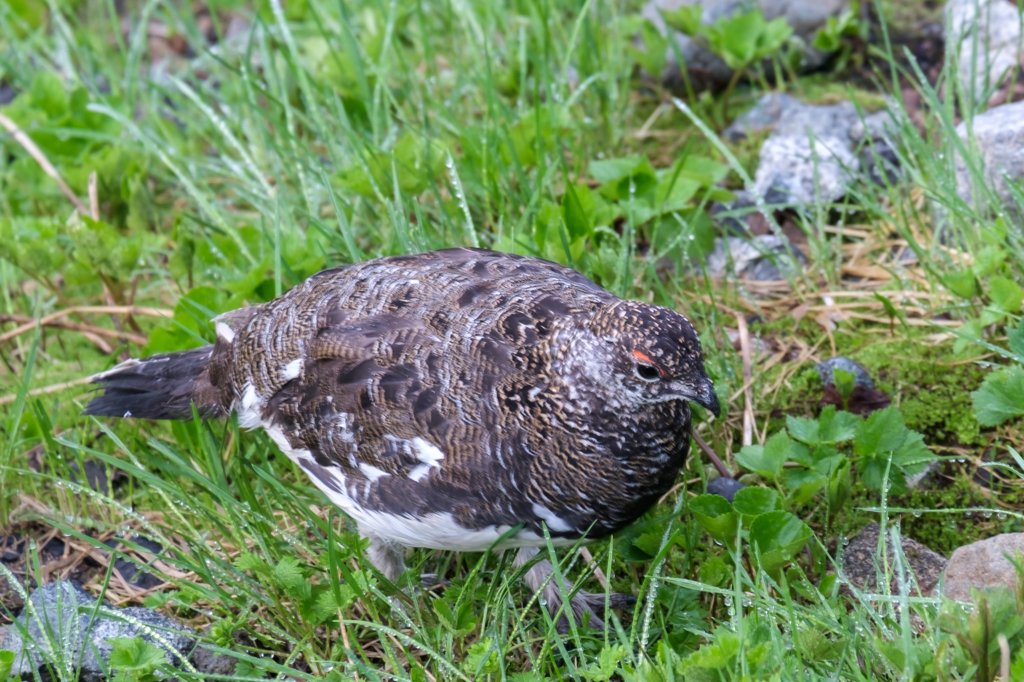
(983, 564)
(65, 610)
(988, 35)
(999, 134)
(760, 259)
(804, 172)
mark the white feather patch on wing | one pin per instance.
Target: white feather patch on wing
(418, 472)
(425, 452)
(437, 530)
(292, 369)
(372, 472)
(554, 522)
(248, 408)
(225, 332)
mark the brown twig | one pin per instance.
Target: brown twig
(85, 328)
(598, 573)
(122, 309)
(748, 393)
(26, 142)
(94, 197)
(711, 455)
(55, 388)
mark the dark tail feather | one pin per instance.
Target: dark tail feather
(158, 387)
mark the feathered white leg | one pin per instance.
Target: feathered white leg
(387, 555)
(583, 606)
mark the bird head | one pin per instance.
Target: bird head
(640, 355)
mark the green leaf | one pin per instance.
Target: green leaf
(576, 222)
(891, 310)
(883, 431)
(686, 18)
(829, 37)
(735, 38)
(988, 260)
(1000, 397)
(913, 456)
(6, 663)
(482, 658)
(766, 460)
(753, 501)
(716, 515)
(715, 655)
(844, 382)
(829, 428)
(774, 35)
(839, 486)
(778, 536)
(803, 493)
(1006, 294)
(650, 542)
(328, 604)
(612, 170)
(135, 653)
(47, 92)
(459, 623)
(247, 561)
(962, 283)
(1016, 341)
(653, 59)
(969, 333)
(288, 574)
(714, 571)
(607, 663)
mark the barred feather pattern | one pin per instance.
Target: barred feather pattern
(445, 399)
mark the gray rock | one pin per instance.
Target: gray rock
(983, 564)
(212, 663)
(65, 610)
(762, 259)
(987, 35)
(876, 135)
(922, 478)
(880, 125)
(706, 69)
(861, 377)
(999, 134)
(862, 562)
(803, 172)
(726, 487)
(764, 115)
(791, 168)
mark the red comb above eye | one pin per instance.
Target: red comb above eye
(642, 358)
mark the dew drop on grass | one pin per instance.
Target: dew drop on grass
(988, 515)
(917, 515)
(728, 601)
(1000, 516)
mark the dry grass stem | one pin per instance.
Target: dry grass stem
(46, 390)
(36, 153)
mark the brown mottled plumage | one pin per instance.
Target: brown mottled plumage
(445, 398)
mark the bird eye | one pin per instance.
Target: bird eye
(647, 372)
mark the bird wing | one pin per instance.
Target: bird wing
(407, 380)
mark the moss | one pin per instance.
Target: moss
(933, 394)
(945, 532)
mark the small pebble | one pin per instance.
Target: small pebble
(726, 487)
(861, 377)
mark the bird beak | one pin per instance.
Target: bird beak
(704, 395)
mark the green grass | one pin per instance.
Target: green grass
(331, 132)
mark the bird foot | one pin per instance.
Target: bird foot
(432, 583)
(586, 605)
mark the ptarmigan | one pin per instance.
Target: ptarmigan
(444, 399)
